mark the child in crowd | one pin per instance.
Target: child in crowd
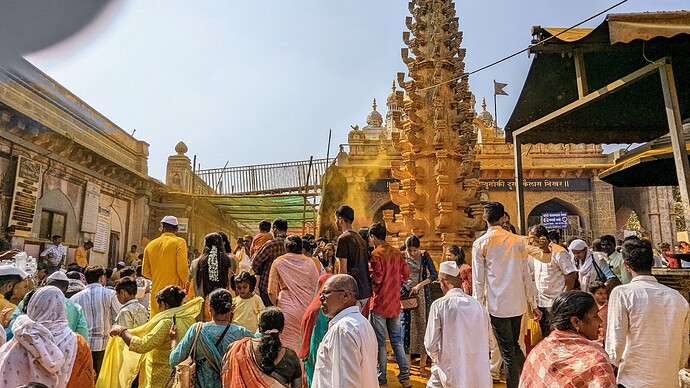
(601, 296)
(143, 288)
(247, 305)
(132, 314)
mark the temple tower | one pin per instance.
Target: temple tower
(439, 188)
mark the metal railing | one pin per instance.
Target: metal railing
(302, 176)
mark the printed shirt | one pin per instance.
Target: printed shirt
(388, 272)
(58, 251)
(647, 333)
(100, 307)
(262, 261)
(501, 275)
(550, 277)
(133, 314)
(347, 354)
(568, 360)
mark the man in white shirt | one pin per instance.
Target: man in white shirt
(552, 276)
(460, 360)
(647, 332)
(54, 254)
(347, 354)
(501, 278)
(100, 307)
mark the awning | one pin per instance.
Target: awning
(653, 167)
(633, 114)
(248, 210)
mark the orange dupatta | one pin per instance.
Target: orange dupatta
(240, 371)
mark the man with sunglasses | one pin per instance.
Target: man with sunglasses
(347, 353)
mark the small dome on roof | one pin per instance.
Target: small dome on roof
(374, 119)
(181, 148)
(485, 115)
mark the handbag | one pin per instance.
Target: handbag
(184, 373)
(407, 301)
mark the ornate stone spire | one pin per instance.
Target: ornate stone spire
(439, 192)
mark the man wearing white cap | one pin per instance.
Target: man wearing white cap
(460, 359)
(76, 320)
(591, 267)
(9, 277)
(165, 260)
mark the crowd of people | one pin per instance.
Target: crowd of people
(282, 310)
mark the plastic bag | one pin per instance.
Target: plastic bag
(535, 331)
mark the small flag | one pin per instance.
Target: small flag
(498, 89)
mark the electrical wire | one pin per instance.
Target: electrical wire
(528, 47)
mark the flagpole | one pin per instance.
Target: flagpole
(495, 111)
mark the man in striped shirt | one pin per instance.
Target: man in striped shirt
(100, 307)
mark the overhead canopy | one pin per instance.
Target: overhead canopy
(250, 210)
(621, 45)
(648, 165)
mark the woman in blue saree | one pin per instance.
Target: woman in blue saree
(214, 338)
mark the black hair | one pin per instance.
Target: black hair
(127, 271)
(139, 269)
(243, 276)
(493, 212)
(133, 246)
(108, 273)
(41, 265)
(554, 236)
(293, 244)
(608, 238)
(171, 295)
(595, 285)
(93, 272)
(33, 385)
(75, 275)
(169, 227)
(128, 284)
(220, 301)
(89, 244)
(459, 254)
(363, 232)
(224, 264)
(634, 237)
(226, 242)
(412, 242)
(27, 298)
(271, 319)
(345, 212)
(14, 279)
(539, 230)
(638, 255)
(402, 247)
(280, 224)
(308, 243)
(265, 226)
(378, 230)
(570, 304)
(56, 236)
(61, 285)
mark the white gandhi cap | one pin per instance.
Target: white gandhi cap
(449, 268)
(6, 270)
(170, 220)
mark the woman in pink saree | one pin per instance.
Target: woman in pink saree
(291, 285)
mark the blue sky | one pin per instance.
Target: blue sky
(249, 82)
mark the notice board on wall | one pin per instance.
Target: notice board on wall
(100, 241)
(89, 215)
(25, 197)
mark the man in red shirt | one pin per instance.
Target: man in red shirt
(388, 273)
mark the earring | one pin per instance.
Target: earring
(577, 329)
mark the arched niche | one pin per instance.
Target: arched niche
(378, 214)
(575, 216)
(57, 203)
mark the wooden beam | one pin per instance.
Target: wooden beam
(675, 125)
(580, 74)
(519, 190)
(594, 96)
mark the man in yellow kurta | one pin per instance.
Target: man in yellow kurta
(81, 255)
(165, 260)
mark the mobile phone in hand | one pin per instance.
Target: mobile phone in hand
(174, 320)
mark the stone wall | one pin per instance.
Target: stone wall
(654, 207)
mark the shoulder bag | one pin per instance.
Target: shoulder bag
(407, 301)
(184, 373)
